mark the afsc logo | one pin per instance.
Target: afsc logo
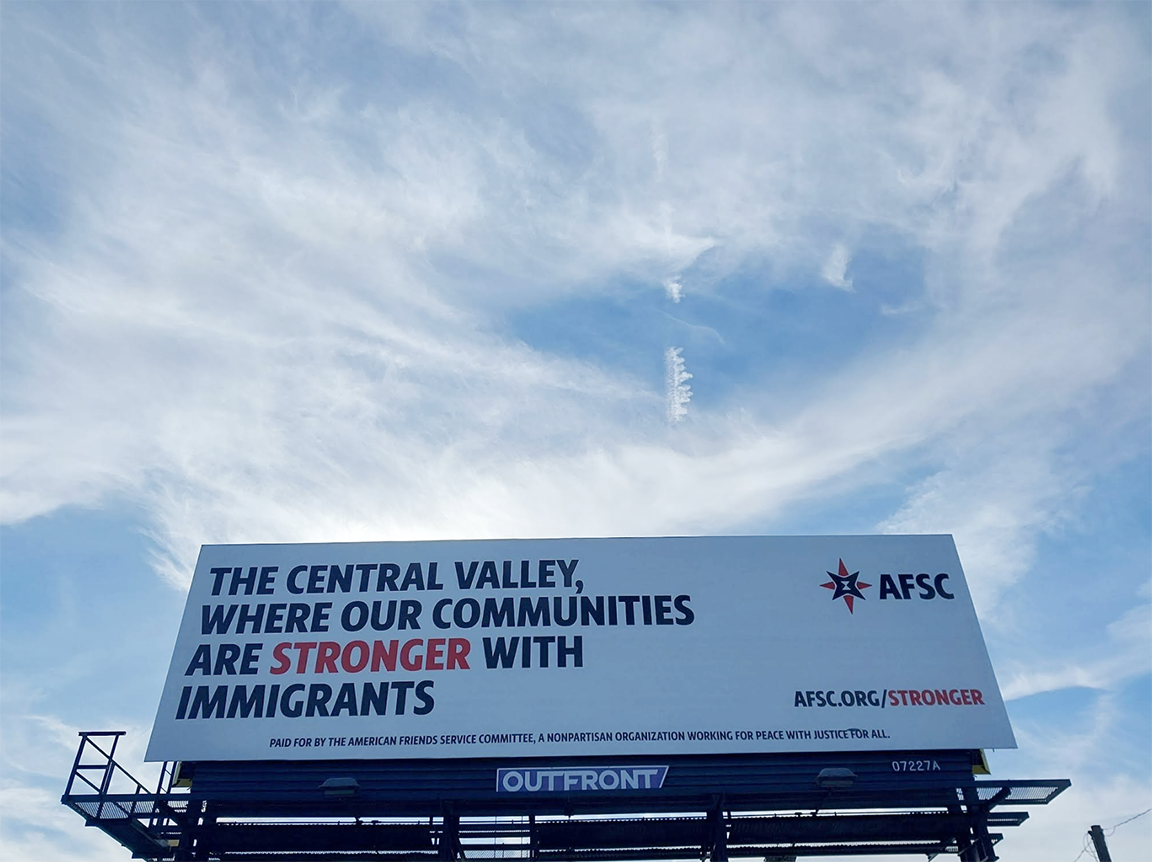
(846, 586)
(904, 586)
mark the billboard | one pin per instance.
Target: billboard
(560, 647)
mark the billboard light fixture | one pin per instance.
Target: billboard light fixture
(835, 778)
(340, 787)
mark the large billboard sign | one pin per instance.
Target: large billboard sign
(559, 647)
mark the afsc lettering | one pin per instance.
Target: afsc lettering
(907, 586)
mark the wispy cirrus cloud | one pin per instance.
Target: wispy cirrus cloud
(278, 291)
(1126, 654)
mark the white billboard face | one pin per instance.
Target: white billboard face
(578, 647)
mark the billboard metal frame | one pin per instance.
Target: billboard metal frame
(718, 807)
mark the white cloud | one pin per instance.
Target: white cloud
(660, 152)
(1057, 830)
(37, 757)
(1124, 655)
(836, 267)
(37, 828)
(997, 498)
(230, 242)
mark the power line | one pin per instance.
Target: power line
(1129, 820)
(1083, 848)
(1087, 845)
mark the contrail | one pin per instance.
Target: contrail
(676, 381)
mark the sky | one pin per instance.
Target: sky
(295, 273)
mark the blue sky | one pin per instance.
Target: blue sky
(285, 272)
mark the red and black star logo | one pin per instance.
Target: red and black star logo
(846, 586)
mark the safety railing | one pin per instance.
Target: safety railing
(109, 797)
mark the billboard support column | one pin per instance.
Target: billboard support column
(193, 838)
(980, 847)
(450, 838)
(719, 832)
(983, 841)
(184, 840)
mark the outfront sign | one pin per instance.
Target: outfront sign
(578, 647)
(583, 779)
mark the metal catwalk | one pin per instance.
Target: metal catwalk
(775, 807)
